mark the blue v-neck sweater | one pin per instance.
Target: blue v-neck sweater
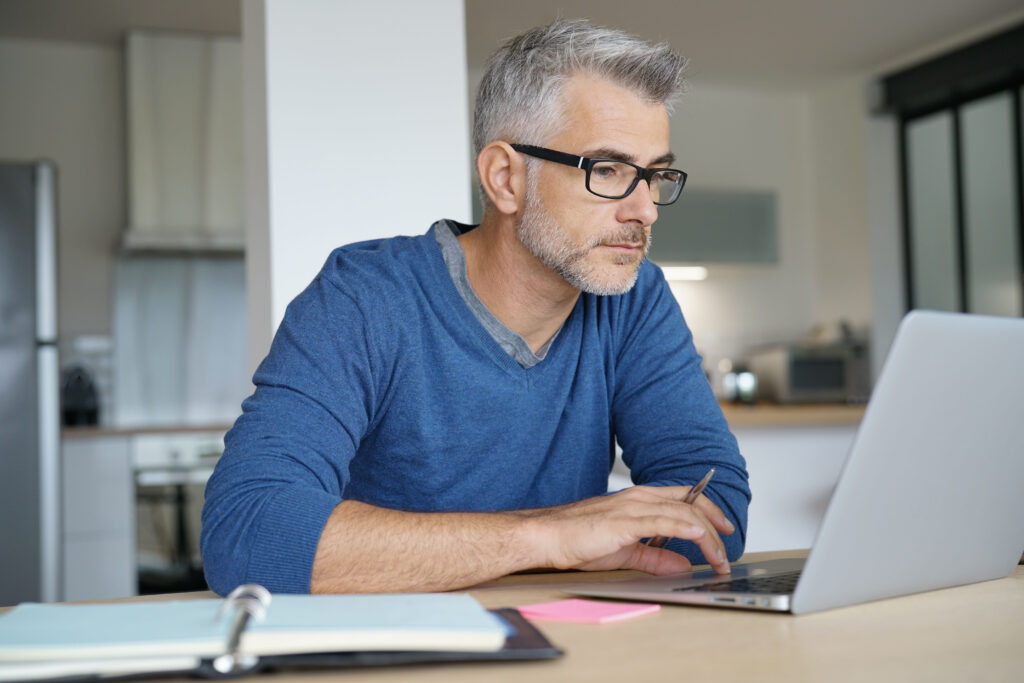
(382, 386)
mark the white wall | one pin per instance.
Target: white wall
(754, 140)
(888, 290)
(839, 139)
(357, 128)
(64, 102)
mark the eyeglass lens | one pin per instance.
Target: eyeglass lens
(613, 179)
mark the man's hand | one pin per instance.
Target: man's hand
(604, 533)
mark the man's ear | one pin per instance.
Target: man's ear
(503, 176)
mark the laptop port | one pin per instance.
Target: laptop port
(722, 599)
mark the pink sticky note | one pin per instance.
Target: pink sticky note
(587, 611)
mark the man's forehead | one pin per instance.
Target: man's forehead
(603, 119)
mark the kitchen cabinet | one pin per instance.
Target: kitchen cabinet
(718, 226)
(185, 156)
(794, 456)
(106, 473)
(98, 518)
(793, 470)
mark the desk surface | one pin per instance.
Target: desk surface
(967, 633)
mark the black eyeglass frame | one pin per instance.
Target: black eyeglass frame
(587, 164)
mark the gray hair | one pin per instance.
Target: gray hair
(519, 99)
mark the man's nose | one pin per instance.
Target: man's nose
(639, 205)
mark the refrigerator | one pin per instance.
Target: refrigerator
(29, 385)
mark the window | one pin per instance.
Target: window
(961, 130)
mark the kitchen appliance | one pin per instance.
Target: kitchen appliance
(29, 385)
(738, 384)
(812, 373)
(80, 403)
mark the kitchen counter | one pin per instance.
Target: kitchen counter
(91, 432)
(775, 415)
(738, 415)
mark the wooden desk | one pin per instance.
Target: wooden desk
(970, 633)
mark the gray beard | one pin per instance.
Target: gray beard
(544, 238)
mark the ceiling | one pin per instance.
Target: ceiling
(104, 21)
(761, 43)
(754, 43)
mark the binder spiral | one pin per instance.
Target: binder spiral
(248, 601)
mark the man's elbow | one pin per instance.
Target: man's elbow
(223, 564)
(734, 546)
(219, 577)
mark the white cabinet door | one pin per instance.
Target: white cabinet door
(99, 519)
(792, 473)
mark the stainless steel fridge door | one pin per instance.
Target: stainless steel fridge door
(29, 386)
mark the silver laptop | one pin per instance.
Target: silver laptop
(930, 495)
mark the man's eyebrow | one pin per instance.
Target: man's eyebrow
(666, 159)
(610, 153)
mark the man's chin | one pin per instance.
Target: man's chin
(620, 280)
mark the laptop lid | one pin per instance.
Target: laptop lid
(930, 494)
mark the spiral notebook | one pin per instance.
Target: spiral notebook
(252, 630)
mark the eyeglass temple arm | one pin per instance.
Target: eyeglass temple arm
(550, 155)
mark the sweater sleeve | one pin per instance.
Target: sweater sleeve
(665, 416)
(286, 460)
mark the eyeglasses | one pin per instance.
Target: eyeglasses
(613, 178)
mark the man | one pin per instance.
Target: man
(441, 410)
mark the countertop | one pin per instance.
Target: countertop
(739, 415)
(801, 415)
(84, 432)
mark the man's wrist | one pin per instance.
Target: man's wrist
(531, 538)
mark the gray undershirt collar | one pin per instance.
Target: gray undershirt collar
(455, 260)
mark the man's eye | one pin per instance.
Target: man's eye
(605, 171)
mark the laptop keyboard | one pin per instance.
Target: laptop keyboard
(779, 583)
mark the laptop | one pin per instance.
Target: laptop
(931, 492)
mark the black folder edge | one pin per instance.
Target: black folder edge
(526, 643)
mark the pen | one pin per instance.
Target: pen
(691, 498)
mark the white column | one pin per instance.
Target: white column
(356, 128)
(888, 291)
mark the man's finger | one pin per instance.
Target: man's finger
(709, 542)
(657, 561)
(678, 493)
(715, 515)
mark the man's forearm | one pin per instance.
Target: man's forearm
(364, 548)
(367, 549)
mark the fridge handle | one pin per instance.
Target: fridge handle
(49, 473)
(48, 369)
(46, 253)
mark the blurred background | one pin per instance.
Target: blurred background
(194, 162)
